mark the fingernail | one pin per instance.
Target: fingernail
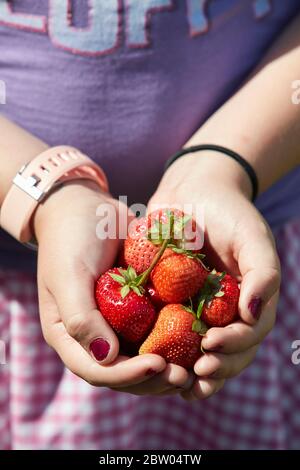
(150, 372)
(216, 348)
(188, 384)
(214, 375)
(99, 348)
(255, 307)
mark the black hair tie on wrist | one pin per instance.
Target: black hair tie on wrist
(230, 153)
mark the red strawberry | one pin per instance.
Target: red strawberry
(156, 301)
(173, 336)
(139, 251)
(124, 305)
(148, 233)
(177, 277)
(163, 216)
(220, 298)
(186, 234)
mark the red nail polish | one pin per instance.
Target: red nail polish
(255, 307)
(100, 348)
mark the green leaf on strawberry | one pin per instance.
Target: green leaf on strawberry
(200, 306)
(212, 288)
(120, 279)
(160, 231)
(129, 280)
(200, 327)
(125, 291)
(219, 294)
(189, 253)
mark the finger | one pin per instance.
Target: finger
(79, 361)
(82, 320)
(240, 336)
(136, 390)
(202, 389)
(260, 269)
(121, 373)
(173, 377)
(221, 366)
(172, 391)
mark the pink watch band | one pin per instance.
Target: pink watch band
(35, 180)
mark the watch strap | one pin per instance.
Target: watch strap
(34, 181)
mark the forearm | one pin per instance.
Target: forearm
(17, 147)
(260, 121)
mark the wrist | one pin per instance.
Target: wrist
(17, 148)
(208, 169)
(33, 183)
(61, 201)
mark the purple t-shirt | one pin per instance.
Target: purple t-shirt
(129, 81)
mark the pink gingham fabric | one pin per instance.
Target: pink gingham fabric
(45, 406)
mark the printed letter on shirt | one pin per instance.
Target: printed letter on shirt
(21, 20)
(197, 18)
(139, 15)
(262, 8)
(99, 37)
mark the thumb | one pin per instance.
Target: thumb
(260, 269)
(82, 320)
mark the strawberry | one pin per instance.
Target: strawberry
(176, 336)
(121, 298)
(124, 305)
(163, 216)
(178, 276)
(219, 300)
(186, 231)
(139, 251)
(156, 301)
(148, 233)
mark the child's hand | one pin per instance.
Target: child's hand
(70, 258)
(236, 240)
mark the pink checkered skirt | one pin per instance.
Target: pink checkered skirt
(44, 406)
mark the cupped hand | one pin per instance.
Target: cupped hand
(237, 240)
(71, 255)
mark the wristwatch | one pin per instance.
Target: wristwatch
(35, 180)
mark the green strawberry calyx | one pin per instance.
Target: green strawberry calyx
(189, 254)
(145, 275)
(198, 325)
(128, 278)
(159, 231)
(212, 288)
